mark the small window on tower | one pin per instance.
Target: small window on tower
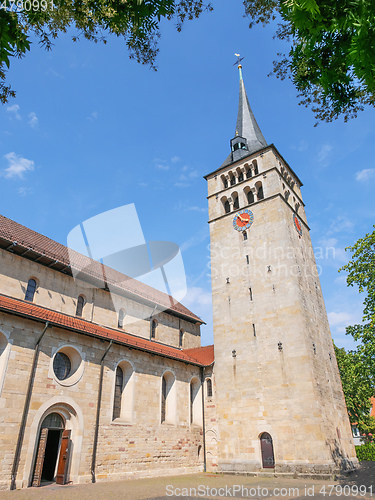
(244, 235)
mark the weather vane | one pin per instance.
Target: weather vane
(239, 59)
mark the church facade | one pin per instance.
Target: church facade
(89, 392)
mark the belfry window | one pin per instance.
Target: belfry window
(80, 304)
(260, 193)
(240, 177)
(181, 339)
(236, 204)
(30, 291)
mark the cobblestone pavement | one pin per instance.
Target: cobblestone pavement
(209, 486)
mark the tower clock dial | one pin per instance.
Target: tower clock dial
(243, 220)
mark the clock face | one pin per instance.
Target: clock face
(297, 224)
(243, 220)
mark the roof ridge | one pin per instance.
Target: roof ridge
(90, 267)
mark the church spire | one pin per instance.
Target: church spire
(247, 126)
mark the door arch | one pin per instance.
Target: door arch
(72, 415)
(266, 446)
(52, 456)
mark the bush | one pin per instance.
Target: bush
(366, 452)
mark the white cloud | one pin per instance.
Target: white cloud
(162, 166)
(196, 209)
(181, 184)
(341, 318)
(13, 110)
(365, 174)
(175, 159)
(340, 224)
(194, 240)
(324, 153)
(17, 166)
(197, 295)
(93, 116)
(33, 120)
(24, 191)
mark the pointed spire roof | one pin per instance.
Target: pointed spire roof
(247, 125)
(246, 128)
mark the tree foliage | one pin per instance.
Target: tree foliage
(358, 389)
(331, 60)
(136, 21)
(357, 368)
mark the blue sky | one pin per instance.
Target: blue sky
(91, 130)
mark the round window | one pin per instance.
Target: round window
(62, 366)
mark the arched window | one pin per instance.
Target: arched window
(154, 325)
(80, 304)
(195, 402)
(181, 339)
(244, 235)
(259, 187)
(121, 317)
(226, 204)
(119, 381)
(287, 194)
(209, 388)
(124, 392)
(236, 203)
(232, 179)
(249, 195)
(239, 175)
(255, 164)
(168, 398)
(30, 291)
(224, 181)
(4, 356)
(248, 171)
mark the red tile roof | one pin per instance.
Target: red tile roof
(204, 355)
(12, 232)
(38, 313)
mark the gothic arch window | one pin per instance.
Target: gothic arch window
(297, 207)
(121, 318)
(195, 402)
(226, 205)
(30, 290)
(255, 165)
(259, 187)
(123, 393)
(154, 325)
(236, 203)
(168, 398)
(181, 339)
(224, 181)
(80, 305)
(287, 194)
(249, 195)
(209, 387)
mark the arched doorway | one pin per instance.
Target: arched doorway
(53, 451)
(266, 445)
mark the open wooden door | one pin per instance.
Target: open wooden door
(62, 468)
(37, 477)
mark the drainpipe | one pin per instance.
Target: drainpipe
(96, 433)
(26, 406)
(204, 426)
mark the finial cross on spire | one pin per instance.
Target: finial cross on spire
(238, 62)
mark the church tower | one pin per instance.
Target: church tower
(279, 399)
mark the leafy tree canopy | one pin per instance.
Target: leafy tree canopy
(358, 389)
(331, 60)
(357, 368)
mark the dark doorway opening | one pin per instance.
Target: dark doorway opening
(51, 453)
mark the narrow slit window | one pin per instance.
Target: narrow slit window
(209, 388)
(244, 235)
(80, 304)
(247, 259)
(251, 294)
(254, 330)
